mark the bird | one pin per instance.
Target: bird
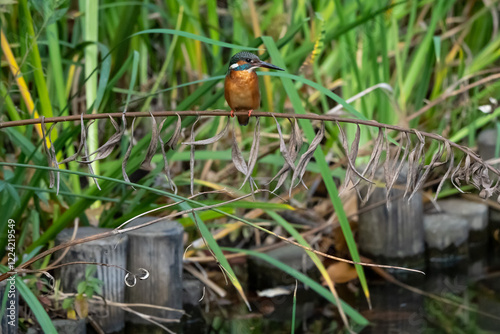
(241, 86)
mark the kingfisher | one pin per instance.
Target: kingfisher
(241, 86)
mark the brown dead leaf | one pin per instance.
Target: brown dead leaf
(341, 272)
(94, 214)
(339, 240)
(81, 307)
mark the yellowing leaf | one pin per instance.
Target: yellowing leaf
(341, 272)
(71, 314)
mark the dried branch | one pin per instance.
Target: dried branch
(473, 170)
(213, 113)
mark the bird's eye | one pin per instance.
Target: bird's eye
(249, 60)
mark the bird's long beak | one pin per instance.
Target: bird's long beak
(271, 66)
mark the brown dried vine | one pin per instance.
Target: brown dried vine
(407, 153)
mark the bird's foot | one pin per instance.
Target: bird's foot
(250, 112)
(232, 113)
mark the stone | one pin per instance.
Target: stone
(446, 238)
(392, 232)
(476, 215)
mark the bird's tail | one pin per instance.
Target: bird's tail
(243, 119)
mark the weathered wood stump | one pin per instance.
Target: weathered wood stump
(392, 232)
(158, 248)
(476, 215)
(10, 315)
(108, 251)
(446, 237)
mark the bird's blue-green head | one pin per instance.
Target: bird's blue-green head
(246, 61)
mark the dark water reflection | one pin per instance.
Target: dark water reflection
(472, 284)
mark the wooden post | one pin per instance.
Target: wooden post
(158, 248)
(392, 232)
(109, 251)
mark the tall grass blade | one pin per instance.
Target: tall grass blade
(217, 252)
(323, 292)
(317, 262)
(323, 165)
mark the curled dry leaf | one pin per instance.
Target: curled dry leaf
(191, 158)
(402, 161)
(86, 150)
(236, 156)
(298, 173)
(428, 168)
(84, 130)
(172, 142)
(54, 163)
(127, 154)
(449, 157)
(153, 145)
(209, 140)
(254, 153)
(294, 146)
(297, 135)
(481, 180)
(351, 155)
(475, 173)
(371, 167)
(166, 166)
(49, 152)
(454, 179)
(105, 150)
(466, 169)
(415, 160)
(283, 150)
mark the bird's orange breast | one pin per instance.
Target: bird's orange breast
(241, 90)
